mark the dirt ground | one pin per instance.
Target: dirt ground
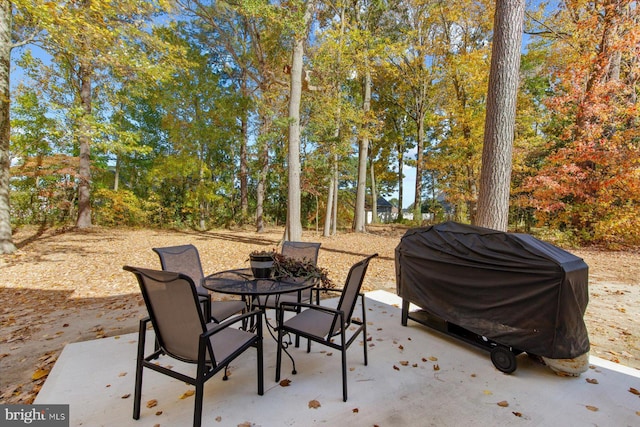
(63, 287)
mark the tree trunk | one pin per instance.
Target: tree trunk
(363, 154)
(327, 219)
(495, 177)
(116, 174)
(374, 196)
(262, 179)
(244, 187)
(294, 224)
(334, 214)
(84, 170)
(400, 180)
(6, 241)
(417, 205)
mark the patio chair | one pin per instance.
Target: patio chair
(185, 259)
(326, 325)
(299, 251)
(183, 334)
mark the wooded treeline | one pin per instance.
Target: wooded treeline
(160, 113)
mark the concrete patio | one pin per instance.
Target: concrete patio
(415, 377)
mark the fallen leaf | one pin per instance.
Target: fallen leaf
(436, 367)
(314, 404)
(503, 403)
(433, 358)
(401, 347)
(634, 391)
(122, 374)
(39, 373)
(329, 354)
(285, 383)
(187, 394)
(415, 365)
(396, 368)
(592, 381)
(218, 418)
(488, 393)
(159, 413)
(152, 403)
(517, 414)
(125, 396)
(355, 410)
(404, 362)
(592, 408)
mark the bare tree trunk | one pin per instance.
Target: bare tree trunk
(262, 179)
(294, 224)
(84, 171)
(116, 175)
(400, 180)
(417, 205)
(334, 214)
(327, 219)
(374, 196)
(244, 186)
(495, 177)
(6, 240)
(363, 154)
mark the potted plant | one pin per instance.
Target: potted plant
(261, 262)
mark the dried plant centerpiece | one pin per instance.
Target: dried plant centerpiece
(284, 267)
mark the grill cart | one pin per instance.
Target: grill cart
(506, 293)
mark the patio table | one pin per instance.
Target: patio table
(242, 282)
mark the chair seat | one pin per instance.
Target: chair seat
(317, 323)
(228, 341)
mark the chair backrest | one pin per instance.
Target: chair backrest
(301, 250)
(173, 307)
(183, 259)
(350, 292)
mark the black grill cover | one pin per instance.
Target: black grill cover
(511, 288)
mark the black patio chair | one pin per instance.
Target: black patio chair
(328, 326)
(182, 333)
(185, 259)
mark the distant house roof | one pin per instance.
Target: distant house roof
(383, 205)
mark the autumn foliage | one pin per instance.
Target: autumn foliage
(589, 181)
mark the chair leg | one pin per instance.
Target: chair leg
(364, 331)
(344, 364)
(260, 367)
(197, 412)
(279, 353)
(137, 396)
(344, 373)
(226, 373)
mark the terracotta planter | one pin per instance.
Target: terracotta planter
(261, 266)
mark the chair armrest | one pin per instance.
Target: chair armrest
(310, 306)
(234, 320)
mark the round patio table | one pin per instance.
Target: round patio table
(242, 282)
